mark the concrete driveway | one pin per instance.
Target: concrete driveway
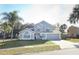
(64, 44)
(74, 51)
(67, 48)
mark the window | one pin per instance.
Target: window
(26, 32)
(47, 30)
(26, 36)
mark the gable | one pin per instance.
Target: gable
(44, 27)
(44, 23)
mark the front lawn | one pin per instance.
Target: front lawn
(23, 46)
(34, 49)
(20, 43)
(73, 40)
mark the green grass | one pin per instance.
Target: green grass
(19, 43)
(73, 40)
(29, 46)
(29, 49)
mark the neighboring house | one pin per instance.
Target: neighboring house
(40, 31)
(73, 31)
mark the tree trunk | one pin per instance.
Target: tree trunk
(12, 34)
(61, 35)
(3, 36)
(12, 31)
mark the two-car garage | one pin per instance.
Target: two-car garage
(50, 36)
(53, 36)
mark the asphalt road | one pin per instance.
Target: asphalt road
(72, 51)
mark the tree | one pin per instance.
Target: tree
(17, 28)
(12, 18)
(74, 17)
(28, 25)
(63, 27)
(6, 29)
(62, 30)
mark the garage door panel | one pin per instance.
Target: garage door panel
(53, 36)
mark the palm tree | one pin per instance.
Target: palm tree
(17, 28)
(74, 17)
(6, 29)
(12, 18)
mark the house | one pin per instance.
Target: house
(41, 31)
(73, 31)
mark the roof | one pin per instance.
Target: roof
(73, 27)
(44, 22)
(26, 29)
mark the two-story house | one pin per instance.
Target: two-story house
(41, 31)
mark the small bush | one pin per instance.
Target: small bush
(63, 36)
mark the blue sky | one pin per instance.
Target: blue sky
(52, 13)
(11, 7)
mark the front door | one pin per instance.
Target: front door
(37, 36)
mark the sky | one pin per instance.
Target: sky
(34, 13)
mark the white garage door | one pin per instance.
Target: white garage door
(53, 36)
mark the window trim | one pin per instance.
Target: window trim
(27, 38)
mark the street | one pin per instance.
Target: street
(72, 51)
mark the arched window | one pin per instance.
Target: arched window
(47, 30)
(26, 36)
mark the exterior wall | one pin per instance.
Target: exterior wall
(30, 38)
(25, 38)
(73, 31)
(20, 35)
(26, 35)
(44, 36)
(77, 31)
